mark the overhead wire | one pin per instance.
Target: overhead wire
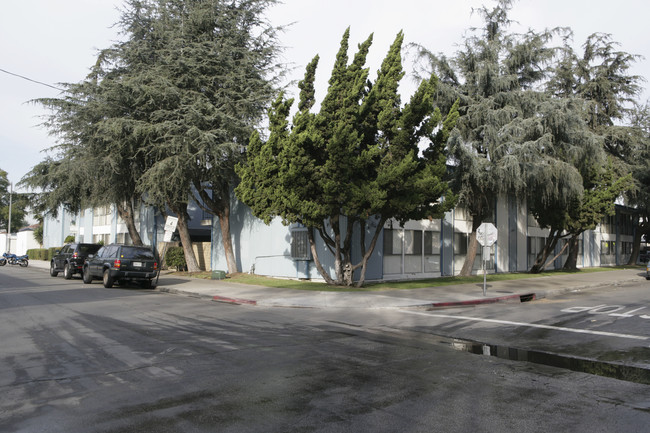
(29, 79)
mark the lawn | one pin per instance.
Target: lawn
(259, 280)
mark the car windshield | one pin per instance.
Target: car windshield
(137, 253)
(88, 248)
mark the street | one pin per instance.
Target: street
(79, 358)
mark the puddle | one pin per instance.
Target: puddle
(613, 370)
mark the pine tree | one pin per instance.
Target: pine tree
(512, 139)
(165, 114)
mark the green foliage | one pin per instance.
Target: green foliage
(175, 258)
(38, 254)
(38, 234)
(42, 253)
(68, 239)
(528, 125)
(355, 163)
(19, 203)
(165, 113)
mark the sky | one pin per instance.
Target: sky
(45, 42)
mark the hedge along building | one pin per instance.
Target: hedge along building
(420, 249)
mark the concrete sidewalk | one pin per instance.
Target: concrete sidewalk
(444, 296)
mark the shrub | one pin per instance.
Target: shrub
(175, 257)
(41, 253)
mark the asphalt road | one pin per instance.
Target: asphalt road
(78, 358)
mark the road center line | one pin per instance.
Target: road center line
(529, 325)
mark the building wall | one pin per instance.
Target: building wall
(419, 249)
(440, 250)
(261, 249)
(25, 241)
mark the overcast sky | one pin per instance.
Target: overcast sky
(56, 41)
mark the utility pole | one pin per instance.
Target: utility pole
(11, 191)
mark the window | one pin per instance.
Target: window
(460, 244)
(300, 248)
(101, 238)
(124, 238)
(431, 243)
(392, 242)
(411, 251)
(627, 224)
(607, 248)
(626, 248)
(609, 224)
(535, 244)
(102, 216)
(413, 242)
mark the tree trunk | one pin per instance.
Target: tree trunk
(540, 261)
(224, 224)
(367, 253)
(472, 248)
(339, 263)
(571, 263)
(126, 212)
(219, 205)
(186, 240)
(314, 254)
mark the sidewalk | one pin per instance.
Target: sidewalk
(445, 296)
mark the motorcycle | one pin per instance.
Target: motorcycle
(22, 261)
(12, 259)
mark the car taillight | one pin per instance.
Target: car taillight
(155, 266)
(75, 255)
(117, 264)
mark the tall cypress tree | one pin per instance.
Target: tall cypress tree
(354, 164)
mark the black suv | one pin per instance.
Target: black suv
(70, 259)
(120, 263)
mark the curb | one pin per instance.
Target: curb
(527, 297)
(234, 301)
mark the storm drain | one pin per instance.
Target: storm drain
(628, 373)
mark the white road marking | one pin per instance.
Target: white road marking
(530, 325)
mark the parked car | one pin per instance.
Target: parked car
(71, 258)
(644, 255)
(120, 263)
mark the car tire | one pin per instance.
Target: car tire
(108, 280)
(67, 272)
(148, 284)
(53, 271)
(87, 278)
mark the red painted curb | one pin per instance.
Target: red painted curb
(233, 300)
(527, 296)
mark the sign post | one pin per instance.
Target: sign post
(486, 234)
(170, 226)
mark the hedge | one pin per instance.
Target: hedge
(42, 253)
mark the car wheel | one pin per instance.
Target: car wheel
(67, 272)
(53, 271)
(147, 284)
(85, 275)
(108, 280)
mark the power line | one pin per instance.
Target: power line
(29, 79)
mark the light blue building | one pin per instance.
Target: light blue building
(419, 249)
